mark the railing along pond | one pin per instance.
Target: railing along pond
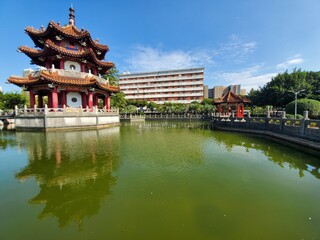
(303, 128)
(65, 111)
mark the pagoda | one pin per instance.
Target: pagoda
(71, 64)
(230, 101)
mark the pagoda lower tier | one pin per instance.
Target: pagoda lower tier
(65, 88)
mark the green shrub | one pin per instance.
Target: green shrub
(311, 105)
(291, 116)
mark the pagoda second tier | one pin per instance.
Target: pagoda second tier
(58, 33)
(52, 52)
(60, 77)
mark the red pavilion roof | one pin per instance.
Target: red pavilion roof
(68, 31)
(230, 97)
(45, 77)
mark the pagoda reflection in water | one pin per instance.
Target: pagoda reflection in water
(74, 170)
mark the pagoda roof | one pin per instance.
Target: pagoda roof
(51, 49)
(231, 97)
(69, 31)
(46, 76)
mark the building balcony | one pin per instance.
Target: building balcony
(154, 91)
(160, 79)
(162, 85)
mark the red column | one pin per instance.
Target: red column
(49, 100)
(95, 71)
(48, 65)
(32, 99)
(61, 64)
(107, 102)
(63, 98)
(95, 100)
(40, 101)
(54, 95)
(82, 67)
(90, 99)
(84, 100)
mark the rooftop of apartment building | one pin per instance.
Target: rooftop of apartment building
(164, 72)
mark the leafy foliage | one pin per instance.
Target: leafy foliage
(112, 76)
(311, 105)
(118, 100)
(278, 92)
(11, 99)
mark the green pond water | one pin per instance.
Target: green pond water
(156, 180)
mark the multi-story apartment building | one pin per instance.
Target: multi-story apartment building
(176, 86)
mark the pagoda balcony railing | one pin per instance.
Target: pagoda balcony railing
(65, 111)
(75, 74)
(67, 73)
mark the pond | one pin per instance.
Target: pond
(156, 180)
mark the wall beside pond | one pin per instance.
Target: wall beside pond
(306, 129)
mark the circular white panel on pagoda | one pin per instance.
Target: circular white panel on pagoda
(74, 100)
(72, 66)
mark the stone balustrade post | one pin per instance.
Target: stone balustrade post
(46, 109)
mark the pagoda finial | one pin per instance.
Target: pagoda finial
(71, 16)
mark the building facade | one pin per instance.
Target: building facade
(218, 91)
(176, 86)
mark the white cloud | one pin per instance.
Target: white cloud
(145, 59)
(295, 60)
(248, 78)
(236, 50)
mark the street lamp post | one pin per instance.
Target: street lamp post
(295, 101)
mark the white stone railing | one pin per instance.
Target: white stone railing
(67, 73)
(75, 74)
(65, 111)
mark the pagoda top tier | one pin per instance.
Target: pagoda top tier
(56, 32)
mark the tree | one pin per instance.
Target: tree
(118, 100)
(277, 92)
(11, 99)
(311, 105)
(113, 76)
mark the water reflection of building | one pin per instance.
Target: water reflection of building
(74, 170)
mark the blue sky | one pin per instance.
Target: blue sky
(243, 42)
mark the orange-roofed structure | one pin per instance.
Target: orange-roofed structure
(231, 101)
(71, 67)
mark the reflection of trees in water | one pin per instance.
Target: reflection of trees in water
(274, 150)
(7, 139)
(73, 169)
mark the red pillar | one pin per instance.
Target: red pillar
(40, 101)
(32, 99)
(95, 71)
(95, 100)
(90, 99)
(84, 100)
(54, 97)
(63, 98)
(48, 65)
(49, 100)
(61, 64)
(240, 111)
(107, 102)
(82, 67)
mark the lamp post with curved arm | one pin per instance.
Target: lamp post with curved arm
(295, 101)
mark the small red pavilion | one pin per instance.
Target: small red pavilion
(229, 102)
(71, 67)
